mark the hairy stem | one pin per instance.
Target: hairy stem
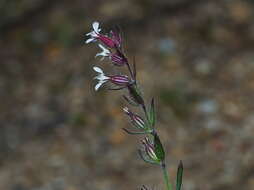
(166, 177)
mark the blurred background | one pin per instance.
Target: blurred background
(194, 56)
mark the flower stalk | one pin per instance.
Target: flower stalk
(152, 150)
(166, 176)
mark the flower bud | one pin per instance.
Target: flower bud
(150, 152)
(136, 120)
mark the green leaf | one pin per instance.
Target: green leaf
(152, 114)
(159, 150)
(179, 176)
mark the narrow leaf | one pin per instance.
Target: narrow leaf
(152, 113)
(179, 176)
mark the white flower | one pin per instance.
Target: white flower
(105, 52)
(100, 77)
(93, 34)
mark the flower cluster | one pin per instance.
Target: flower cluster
(111, 47)
(152, 150)
(113, 43)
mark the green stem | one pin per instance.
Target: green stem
(166, 177)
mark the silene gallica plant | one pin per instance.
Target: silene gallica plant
(152, 150)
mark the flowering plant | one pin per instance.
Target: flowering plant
(152, 150)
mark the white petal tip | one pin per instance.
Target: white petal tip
(101, 46)
(96, 26)
(89, 40)
(95, 23)
(97, 69)
(97, 86)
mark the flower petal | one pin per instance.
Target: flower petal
(99, 54)
(104, 49)
(98, 70)
(102, 77)
(89, 40)
(97, 86)
(90, 33)
(96, 26)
